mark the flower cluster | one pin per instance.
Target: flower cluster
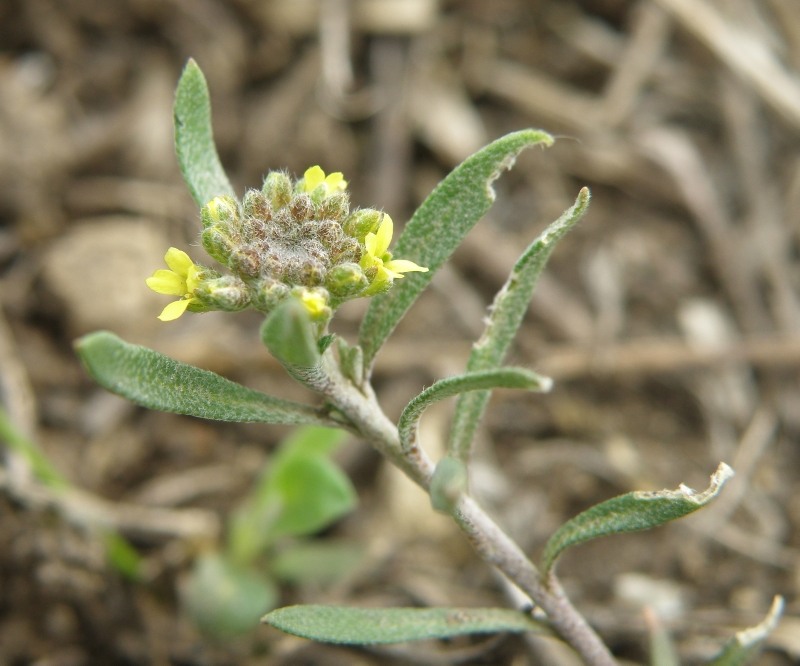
(289, 239)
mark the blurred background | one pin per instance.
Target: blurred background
(670, 319)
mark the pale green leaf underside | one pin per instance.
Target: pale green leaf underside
(156, 381)
(194, 138)
(437, 229)
(518, 378)
(506, 315)
(373, 626)
(631, 512)
(746, 644)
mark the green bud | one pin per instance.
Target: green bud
(362, 222)
(335, 206)
(222, 211)
(256, 205)
(217, 244)
(266, 294)
(346, 280)
(226, 293)
(278, 189)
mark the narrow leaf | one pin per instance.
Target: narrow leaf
(373, 626)
(156, 381)
(194, 139)
(518, 378)
(507, 312)
(746, 644)
(631, 512)
(437, 228)
(40, 465)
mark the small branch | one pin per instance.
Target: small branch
(488, 539)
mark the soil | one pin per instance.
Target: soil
(669, 320)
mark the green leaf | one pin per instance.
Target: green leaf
(631, 512)
(518, 378)
(122, 555)
(224, 599)
(301, 492)
(437, 229)
(288, 334)
(156, 381)
(374, 626)
(747, 644)
(194, 139)
(506, 315)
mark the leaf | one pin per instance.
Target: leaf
(194, 139)
(301, 492)
(448, 483)
(437, 228)
(287, 333)
(746, 644)
(158, 382)
(631, 512)
(519, 378)
(506, 315)
(374, 626)
(224, 599)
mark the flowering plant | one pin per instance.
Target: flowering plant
(295, 251)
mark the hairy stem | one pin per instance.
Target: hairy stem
(362, 410)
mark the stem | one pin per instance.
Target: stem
(361, 408)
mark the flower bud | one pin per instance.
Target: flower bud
(266, 294)
(218, 244)
(362, 222)
(335, 206)
(278, 189)
(226, 293)
(256, 205)
(222, 211)
(346, 281)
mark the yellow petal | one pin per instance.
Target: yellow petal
(313, 178)
(403, 266)
(178, 261)
(335, 181)
(383, 236)
(167, 282)
(174, 309)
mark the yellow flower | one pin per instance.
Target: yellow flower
(315, 301)
(315, 176)
(180, 280)
(378, 257)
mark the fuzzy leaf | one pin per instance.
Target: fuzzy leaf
(288, 334)
(158, 382)
(374, 626)
(506, 314)
(518, 378)
(746, 644)
(631, 512)
(194, 138)
(437, 229)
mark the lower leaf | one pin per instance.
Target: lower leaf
(374, 626)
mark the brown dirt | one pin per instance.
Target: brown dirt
(670, 319)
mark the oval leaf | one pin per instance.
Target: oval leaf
(518, 378)
(631, 512)
(194, 138)
(373, 626)
(505, 317)
(156, 381)
(437, 228)
(746, 644)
